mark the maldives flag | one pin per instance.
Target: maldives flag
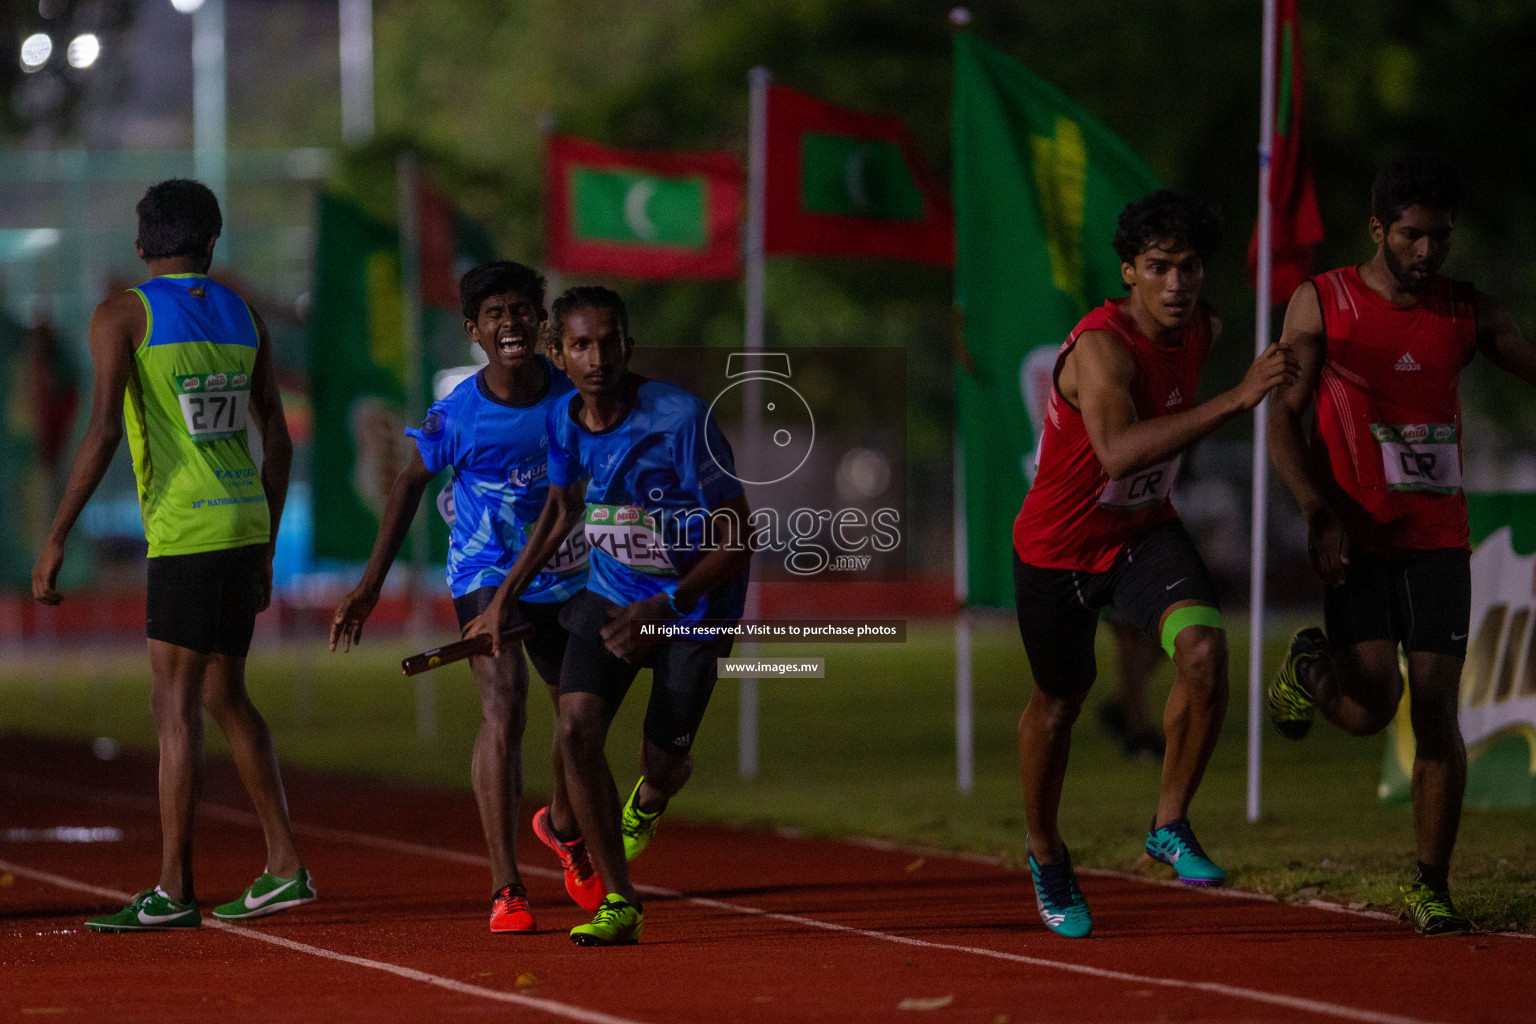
(1296, 225)
(641, 213)
(842, 183)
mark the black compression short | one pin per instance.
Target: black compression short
(1420, 599)
(206, 602)
(1058, 609)
(683, 673)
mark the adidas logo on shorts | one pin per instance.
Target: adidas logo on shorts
(1174, 398)
(1407, 363)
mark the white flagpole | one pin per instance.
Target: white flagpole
(965, 757)
(758, 79)
(965, 749)
(1260, 444)
(356, 49)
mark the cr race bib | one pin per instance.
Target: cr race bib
(1143, 489)
(1419, 456)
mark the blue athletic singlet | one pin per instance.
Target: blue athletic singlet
(498, 452)
(652, 479)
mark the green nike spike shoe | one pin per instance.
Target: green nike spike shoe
(1290, 701)
(151, 911)
(637, 826)
(1432, 912)
(267, 895)
(618, 923)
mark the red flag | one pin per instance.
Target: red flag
(842, 183)
(1296, 226)
(641, 213)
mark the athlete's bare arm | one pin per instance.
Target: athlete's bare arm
(712, 570)
(562, 511)
(1097, 379)
(276, 445)
(1303, 335)
(117, 327)
(1499, 338)
(399, 512)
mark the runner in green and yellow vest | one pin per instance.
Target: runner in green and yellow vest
(187, 366)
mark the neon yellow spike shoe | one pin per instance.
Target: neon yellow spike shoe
(152, 910)
(268, 895)
(637, 826)
(618, 923)
(1290, 701)
(1432, 912)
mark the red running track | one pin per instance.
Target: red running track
(739, 926)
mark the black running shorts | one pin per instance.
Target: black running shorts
(545, 648)
(206, 602)
(1420, 599)
(683, 673)
(1058, 609)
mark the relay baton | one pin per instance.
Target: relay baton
(437, 657)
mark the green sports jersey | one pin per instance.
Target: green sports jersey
(186, 409)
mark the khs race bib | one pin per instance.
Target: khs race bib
(629, 534)
(571, 556)
(1419, 456)
(1150, 486)
(214, 405)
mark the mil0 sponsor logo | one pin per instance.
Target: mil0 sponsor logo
(239, 380)
(215, 382)
(191, 383)
(1445, 432)
(1415, 432)
(600, 515)
(625, 516)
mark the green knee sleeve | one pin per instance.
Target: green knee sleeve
(1190, 615)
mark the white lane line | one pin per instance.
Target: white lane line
(235, 816)
(1254, 995)
(549, 1006)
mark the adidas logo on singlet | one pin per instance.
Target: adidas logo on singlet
(1177, 398)
(1407, 363)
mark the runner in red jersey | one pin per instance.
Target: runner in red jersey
(1380, 350)
(1097, 529)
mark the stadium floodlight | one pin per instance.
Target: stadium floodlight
(35, 51)
(186, 6)
(83, 50)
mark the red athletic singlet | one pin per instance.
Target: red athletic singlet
(1387, 446)
(1075, 516)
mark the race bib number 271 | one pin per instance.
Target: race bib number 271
(214, 406)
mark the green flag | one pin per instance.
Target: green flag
(1039, 185)
(357, 362)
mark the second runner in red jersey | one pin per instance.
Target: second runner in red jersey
(1388, 439)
